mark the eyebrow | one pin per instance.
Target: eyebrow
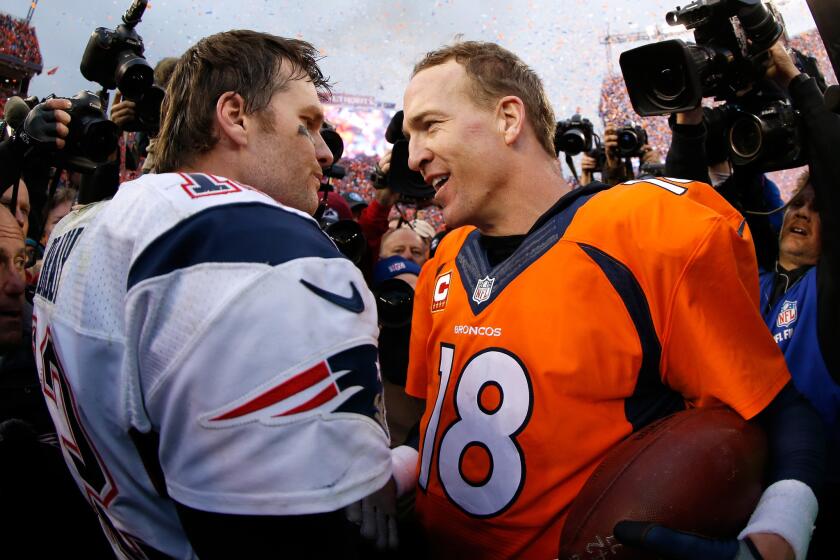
(416, 119)
(313, 111)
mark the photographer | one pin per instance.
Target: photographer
(800, 301)
(613, 168)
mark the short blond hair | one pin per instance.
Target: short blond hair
(495, 72)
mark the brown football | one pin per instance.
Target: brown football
(699, 470)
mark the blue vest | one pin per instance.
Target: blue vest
(793, 323)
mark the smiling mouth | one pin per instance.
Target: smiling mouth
(439, 182)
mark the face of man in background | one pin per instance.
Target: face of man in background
(12, 284)
(454, 143)
(22, 211)
(800, 241)
(287, 151)
(55, 215)
(405, 243)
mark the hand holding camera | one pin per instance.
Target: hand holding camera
(46, 125)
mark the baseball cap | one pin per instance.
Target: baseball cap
(391, 267)
(337, 209)
(354, 200)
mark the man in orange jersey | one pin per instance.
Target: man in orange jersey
(557, 323)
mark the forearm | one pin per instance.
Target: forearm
(822, 136)
(686, 158)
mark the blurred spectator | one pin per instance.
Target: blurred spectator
(60, 205)
(406, 243)
(36, 488)
(18, 39)
(21, 213)
(356, 202)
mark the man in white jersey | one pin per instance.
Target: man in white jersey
(208, 357)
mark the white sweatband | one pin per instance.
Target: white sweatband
(404, 466)
(787, 508)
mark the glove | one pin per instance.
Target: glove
(677, 545)
(376, 516)
(45, 126)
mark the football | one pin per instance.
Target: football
(699, 470)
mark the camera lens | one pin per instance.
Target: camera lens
(746, 137)
(394, 303)
(133, 75)
(573, 141)
(669, 83)
(98, 138)
(627, 141)
(347, 236)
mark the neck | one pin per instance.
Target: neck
(217, 162)
(529, 191)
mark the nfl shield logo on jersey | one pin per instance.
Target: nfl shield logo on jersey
(483, 289)
(787, 314)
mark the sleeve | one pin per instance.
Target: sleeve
(253, 344)
(716, 347)
(822, 134)
(421, 323)
(686, 158)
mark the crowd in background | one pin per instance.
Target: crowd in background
(17, 38)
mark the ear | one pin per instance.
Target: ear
(230, 118)
(511, 118)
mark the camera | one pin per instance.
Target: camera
(631, 139)
(336, 145)
(574, 135)
(761, 130)
(92, 138)
(732, 39)
(401, 179)
(114, 59)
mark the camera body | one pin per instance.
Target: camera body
(114, 59)
(632, 138)
(574, 135)
(732, 39)
(92, 138)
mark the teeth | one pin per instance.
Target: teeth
(440, 181)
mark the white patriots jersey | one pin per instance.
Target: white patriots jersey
(199, 342)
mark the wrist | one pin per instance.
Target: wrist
(404, 468)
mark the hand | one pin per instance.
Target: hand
(780, 65)
(385, 163)
(588, 163)
(122, 112)
(46, 124)
(677, 545)
(376, 516)
(386, 197)
(650, 155)
(611, 147)
(694, 116)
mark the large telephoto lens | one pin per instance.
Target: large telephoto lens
(663, 78)
(746, 137)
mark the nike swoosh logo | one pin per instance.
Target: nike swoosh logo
(353, 303)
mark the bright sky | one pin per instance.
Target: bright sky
(370, 46)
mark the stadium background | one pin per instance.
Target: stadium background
(370, 46)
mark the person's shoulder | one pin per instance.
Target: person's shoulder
(657, 204)
(185, 220)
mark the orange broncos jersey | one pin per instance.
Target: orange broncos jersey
(628, 304)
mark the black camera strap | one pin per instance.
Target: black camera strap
(571, 165)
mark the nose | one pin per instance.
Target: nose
(322, 152)
(15, 283)
(418, 155)
(406, 254)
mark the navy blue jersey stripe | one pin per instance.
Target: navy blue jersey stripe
(651, 398)
(473, 264)
(249, 232)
